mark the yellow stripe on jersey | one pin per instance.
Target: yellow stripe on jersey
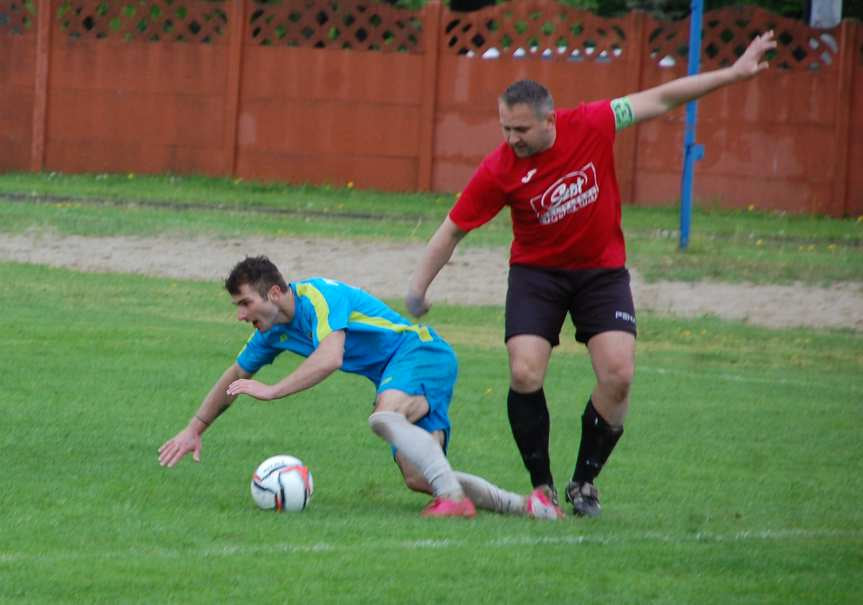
(248, 340)
(322, 309)
(379, 322)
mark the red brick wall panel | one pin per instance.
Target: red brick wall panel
(17, 78)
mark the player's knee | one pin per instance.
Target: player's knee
(616, 379)
(381, 422)
(526, 377)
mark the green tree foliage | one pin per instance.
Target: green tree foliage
(679, 9)
(664, 9)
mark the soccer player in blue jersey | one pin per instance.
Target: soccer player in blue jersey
(337, 326)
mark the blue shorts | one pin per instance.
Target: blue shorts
(429, 369)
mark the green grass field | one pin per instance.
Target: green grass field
(738, 479)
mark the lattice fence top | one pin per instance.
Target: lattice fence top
(540, 29)
(200, 21)
(546, 30)
(17, 17)
(335, 24)
(727, 32)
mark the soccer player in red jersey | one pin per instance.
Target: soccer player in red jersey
(555, 171)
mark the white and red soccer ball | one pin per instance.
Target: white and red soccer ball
(282, 483)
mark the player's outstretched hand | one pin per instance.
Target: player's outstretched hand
(752, 60)
(173, 450)
(417, 305)
(253, 388)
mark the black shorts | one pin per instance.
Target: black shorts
(597, 300)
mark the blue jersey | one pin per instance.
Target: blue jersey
(373, 331)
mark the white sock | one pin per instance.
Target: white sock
(420, 449)
(488, 496)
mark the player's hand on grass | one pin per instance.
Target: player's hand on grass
(752, 60)
(417, 304)
(173, 450)
(253, 388)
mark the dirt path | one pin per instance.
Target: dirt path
(475, 276)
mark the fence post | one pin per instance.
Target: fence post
(844, 97)
(692, 151)
(428, 102)
(236, 26)
(636, 47)
(40, 86)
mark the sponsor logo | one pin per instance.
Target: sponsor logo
(386, 380)
(624, 316)
(526, 178)
(568, 194)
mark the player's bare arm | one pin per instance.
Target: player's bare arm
(656, 101)
(437, 253)
(189, 439)
(325, 360)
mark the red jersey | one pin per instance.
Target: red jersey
(564, 201)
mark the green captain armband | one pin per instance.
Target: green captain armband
(623, 114)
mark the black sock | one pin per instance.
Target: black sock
(528, 418)
(598, 439)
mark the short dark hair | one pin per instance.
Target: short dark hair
(259, 272)
(532, 94)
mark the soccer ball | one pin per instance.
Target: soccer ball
(282, 483)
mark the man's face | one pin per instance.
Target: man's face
(523, 131)
(252, 307)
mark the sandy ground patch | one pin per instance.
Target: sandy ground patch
(474, 277)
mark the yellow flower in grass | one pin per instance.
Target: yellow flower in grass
(350, 185)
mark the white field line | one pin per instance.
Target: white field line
(231, 550)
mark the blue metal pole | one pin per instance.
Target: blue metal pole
(691, 151)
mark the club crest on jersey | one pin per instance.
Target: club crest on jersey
(568, 194)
